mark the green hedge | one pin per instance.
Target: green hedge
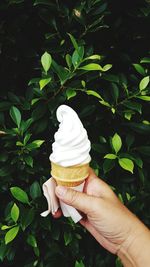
(93, 56)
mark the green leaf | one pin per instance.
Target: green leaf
(90, 92)
(133, 157)
(25, 125)
(27, 218)
(34, 100)
(100, 148)
(123, 81)
(95, 66)
(56, 232)
(41, 125)
(69, 61)
(111, 78)
(116, 142)
(146, 122)
(77, 56)
(38, 143)
(5, 227)
(37, 252)
(104, 103)
(107, 67)
(11, 234)
(13, 98)
(100, 8)
(110, 156)
(102, 139)
(126, 164)
(39, 112)
(67, 238)
(139, 69)
(5, 105)
(74, 42)
(138, 162)
(133, 105)
(141, 176)
(44, 82)
(18, 143)
(46, 61)
(19, 194)
(70, 93)
(115, 91)
(113, 110)
(15, 115)
(144, 83)
(35, 144)
(144, 97)
(3, 251)
(62, 42)
(91, 67)
(98, 57)
(4, 171)
(44, 2)
(79, 264)
(29, 160)
(31, 240)
(83, 83)
(35, 190)
(118, 263)
(62, 72)
(108, 165)
(145, 60)
(96, 25)
(139, 127)
(128, 114)
(16, 1)
(15, 212)
(130, 140)
(27, 138)
(75, 59)
(34, 81)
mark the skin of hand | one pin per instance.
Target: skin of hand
(107, 219)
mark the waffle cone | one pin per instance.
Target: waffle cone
(69, 176)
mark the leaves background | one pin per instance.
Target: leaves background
(111, 96)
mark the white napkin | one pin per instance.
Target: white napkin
(53, 202)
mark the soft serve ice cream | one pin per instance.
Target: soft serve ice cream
(70, 150)
(69, 161)
(71, 146)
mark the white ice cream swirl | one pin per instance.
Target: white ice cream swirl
(71, 146)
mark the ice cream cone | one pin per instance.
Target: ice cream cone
(69, 176)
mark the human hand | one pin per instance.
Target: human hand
(106, 218)
(105, 215)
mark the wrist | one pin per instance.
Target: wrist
(135, 250)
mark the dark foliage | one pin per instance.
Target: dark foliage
(94, 56)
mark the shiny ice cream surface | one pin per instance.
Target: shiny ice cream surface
(71, 146)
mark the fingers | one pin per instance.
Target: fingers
(87, 202)
(80, 201)
(58, 214)
(94, 186)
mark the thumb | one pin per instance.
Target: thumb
(78, 200)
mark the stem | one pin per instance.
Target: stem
(130, 97)
(56, 93)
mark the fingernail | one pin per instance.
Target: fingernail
(61, 190)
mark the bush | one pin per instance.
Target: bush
(93, 56)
